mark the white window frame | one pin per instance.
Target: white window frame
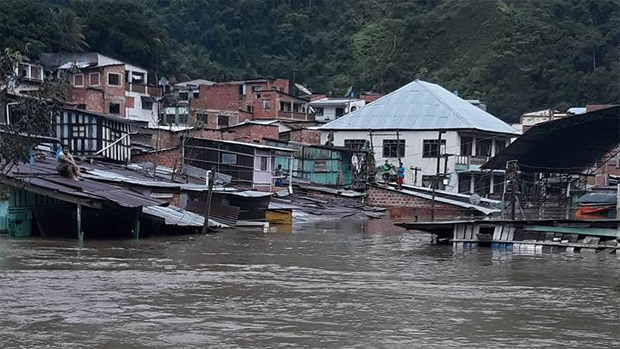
(98, 79)
(120, 79)
(74, 83)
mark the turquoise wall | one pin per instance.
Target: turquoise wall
(321, 166)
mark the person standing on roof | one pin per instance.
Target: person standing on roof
(66, 166)
(279, 176)
(400, 175)
(385, 171)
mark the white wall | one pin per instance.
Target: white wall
(329, 111)
(413, 149)
(137, 113)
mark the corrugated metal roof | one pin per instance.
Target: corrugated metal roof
(173, 215)
(43, 175)
(420, 105)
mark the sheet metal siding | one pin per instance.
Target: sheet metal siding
(420, 105)
(311, 168)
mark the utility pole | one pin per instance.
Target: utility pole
(512, 175)
(436, 180)
(415, 174)
(210, 180)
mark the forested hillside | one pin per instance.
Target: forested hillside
(517, 55)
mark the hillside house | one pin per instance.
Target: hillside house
(433, 132)
(106, 85)
(330, 109)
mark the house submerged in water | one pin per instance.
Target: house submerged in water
(433, 132)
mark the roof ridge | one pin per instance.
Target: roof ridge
(447, 105)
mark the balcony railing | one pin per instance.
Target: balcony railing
(150, 90)
(470, 162)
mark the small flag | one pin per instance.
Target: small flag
(350, 92)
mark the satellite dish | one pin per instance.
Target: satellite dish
(474, 199)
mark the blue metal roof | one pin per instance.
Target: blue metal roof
(420, 105)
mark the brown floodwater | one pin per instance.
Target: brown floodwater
(331, 284)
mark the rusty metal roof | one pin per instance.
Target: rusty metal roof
(44, 177)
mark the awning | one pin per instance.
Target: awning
(568, 145)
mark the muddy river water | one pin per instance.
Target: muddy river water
(344, 284)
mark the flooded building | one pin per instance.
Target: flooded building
(250, 165)
(433, 132)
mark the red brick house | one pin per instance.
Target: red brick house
(105, 85)
(217, 106)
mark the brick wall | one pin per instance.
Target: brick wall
(252, 133)
(306, 136)
(220, 97)
(167, 158)
(389, 198)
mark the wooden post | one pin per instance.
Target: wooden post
(80, 234)
(618, 204)
(136, 225)
(210, 179)
(290, 174)
(436, 180)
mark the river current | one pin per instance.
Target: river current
(343, 284)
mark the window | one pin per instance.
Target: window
(147, 105)
(78, 80)
(257, 88)
(78, 131)
(81, 106)
(284, 136)
(202, 118)
(30, 71)
(339, 112)
(483, 147)
(464, 182)
(250, 109)
(318, 111)
(430, 149)
(183, 96)
(500, 145)
(427, 181)
(114, 79)
(466, 144)
(355, 144)
(115, 108)
(498, 184)
(196, 94)
(393, 148)
(263, 163)
(137, 78)
(229, 159)
(265, 104)
(93, 79)
(36, 72)
(222, 120)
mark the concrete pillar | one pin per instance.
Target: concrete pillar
(471, 183)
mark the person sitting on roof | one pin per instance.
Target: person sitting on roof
(385, 171)
(66, 166)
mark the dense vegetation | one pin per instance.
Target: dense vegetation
(517, 55)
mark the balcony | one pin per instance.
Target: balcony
(467, 163)
(151, 90)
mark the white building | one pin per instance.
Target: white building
(407, 124)
(330, 109)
